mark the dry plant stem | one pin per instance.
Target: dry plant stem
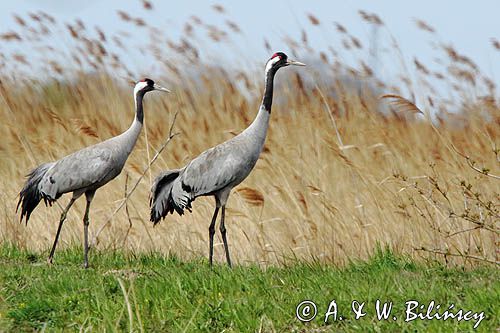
(126, 210)
(21, 137)
(408, 105)
(401, 58)
(481, 225)
(471, 163)
(465, 256)
(466, 230)
(147, 149)
(171, 135)
(351, 199)
(145, 225)
(330, 114)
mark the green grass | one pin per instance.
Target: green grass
(167, 295)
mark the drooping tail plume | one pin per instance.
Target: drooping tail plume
(30, 195)
(161, 201)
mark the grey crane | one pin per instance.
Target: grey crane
(218, 170)
(83, 171)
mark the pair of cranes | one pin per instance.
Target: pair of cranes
(214, 172)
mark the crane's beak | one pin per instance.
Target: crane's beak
(295, 63)
(160, 88)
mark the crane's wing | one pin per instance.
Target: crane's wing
(213, 170)
(80, 170)
(160, 199)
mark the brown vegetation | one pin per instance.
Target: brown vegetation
(342, 169)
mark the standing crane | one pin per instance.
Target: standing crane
(84, 171)
(218, 170)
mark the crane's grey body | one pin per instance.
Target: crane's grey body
(214, 172)
(219, 169)
(83, 171)
(89, 168)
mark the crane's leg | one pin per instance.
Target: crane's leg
(61, 221)
(89, 196)
(222, 230)
(211, 233)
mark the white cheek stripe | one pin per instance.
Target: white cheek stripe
(139, 86)
(271, 62)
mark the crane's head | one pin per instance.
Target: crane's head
(145, 85)
(278, 60)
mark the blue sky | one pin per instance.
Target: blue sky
(468, 25)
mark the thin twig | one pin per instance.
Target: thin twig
(479, 223)
(471, 163)
(462, 231)
(465, 256)
(169, 138)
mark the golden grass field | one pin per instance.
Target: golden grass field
(390, 176)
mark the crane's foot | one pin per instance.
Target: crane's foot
(49, 261)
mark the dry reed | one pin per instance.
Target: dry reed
(380, 176)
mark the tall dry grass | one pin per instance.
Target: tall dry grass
(342, 169)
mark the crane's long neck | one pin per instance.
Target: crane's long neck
(139, 111)
(259, 126)
(130, 136)
(267, 100)
(135, 129)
